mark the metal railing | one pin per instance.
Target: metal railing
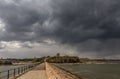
(12, 73)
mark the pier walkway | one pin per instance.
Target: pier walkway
(47, 71)
(36, 73)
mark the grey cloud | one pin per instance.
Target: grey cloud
(100, 47)
(89, 25)
(83, 20)
(20, 19)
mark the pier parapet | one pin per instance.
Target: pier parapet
(54, 72)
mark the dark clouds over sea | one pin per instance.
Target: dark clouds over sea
(91, 26)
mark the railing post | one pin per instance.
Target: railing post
(21, 69)
(24, 68)
(8, 74)
(0, 75)
(18, 71)
(14, 72)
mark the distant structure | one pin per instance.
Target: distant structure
(62, 59)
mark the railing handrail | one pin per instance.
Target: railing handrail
(12, 69)
(19, 67)
(20, 70)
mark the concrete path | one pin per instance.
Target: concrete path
(37, 73)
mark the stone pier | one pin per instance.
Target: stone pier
(48, 71)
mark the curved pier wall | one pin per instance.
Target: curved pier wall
(54, 72)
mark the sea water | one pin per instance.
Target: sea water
(94, 71)
(4, 70)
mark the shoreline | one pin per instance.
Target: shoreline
(17, 64)
(89, 63)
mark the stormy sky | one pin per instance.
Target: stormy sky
(35, 28)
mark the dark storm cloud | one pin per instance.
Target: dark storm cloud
(90, 25)
(84, 19)
(20, 19)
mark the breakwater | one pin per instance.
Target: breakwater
(54, 72)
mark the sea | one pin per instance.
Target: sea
(4, 70)
(94, 71)
(87, 71)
